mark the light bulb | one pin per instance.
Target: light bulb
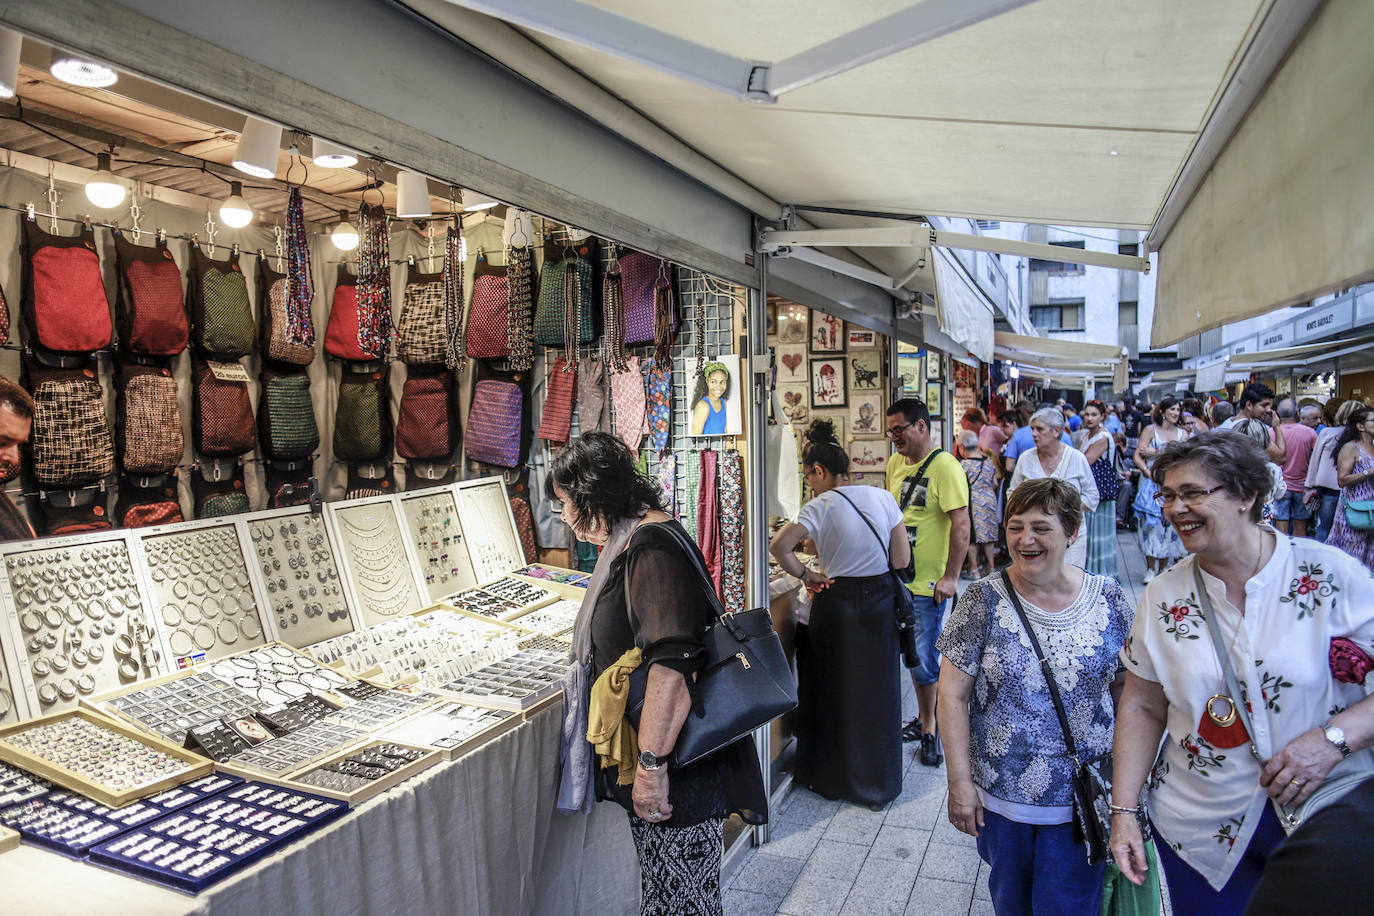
(235, 210)
(344, 236)
(80, 72)
(103, 190)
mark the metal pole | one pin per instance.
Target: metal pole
(757, 502)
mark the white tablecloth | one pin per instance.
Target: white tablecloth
(477, 835)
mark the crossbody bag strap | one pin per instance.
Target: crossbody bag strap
(1228, 673)
(703, 580)
(1045, 670)
(911, 491)
(882, 546)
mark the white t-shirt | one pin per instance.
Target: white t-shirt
(845, 544)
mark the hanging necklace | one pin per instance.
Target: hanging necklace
(1227, 718)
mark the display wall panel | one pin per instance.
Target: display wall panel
(378, 566)
(298, 576)
(436, 532)
(492, 539)
(76, 622)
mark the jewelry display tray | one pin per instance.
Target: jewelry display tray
(8, 839)
(69, 813)
(360, 795)
(249, 799)
(196, 766)
(422, 730)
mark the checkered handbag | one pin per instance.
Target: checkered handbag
(420, 337)
(641, 279)
(71, 435)
(487, 331)
(495, 421)
(286, 416)
(64, 305)
(221, 315)
(273, 289)
(362, 420)
(427, 429)
(147, 419)
(150, 312)
(222, 416)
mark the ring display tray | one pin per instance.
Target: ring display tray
(452, 728)
(18, 786)
(299, 575)
(361, 772)
(568, 582)
(173, 704)
(376, 562)
(436, 533)
(519, 682)
(197, 846)
(51, 745)
(70, 824)
(8, 839)
(492, 539)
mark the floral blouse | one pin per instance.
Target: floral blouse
(1017, 751)
(1206, 801)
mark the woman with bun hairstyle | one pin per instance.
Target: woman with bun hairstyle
(849, 711)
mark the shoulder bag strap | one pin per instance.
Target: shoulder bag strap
(911, 491)
(1045, 670)
(1223, 659)
(703, 580)
(881, 545)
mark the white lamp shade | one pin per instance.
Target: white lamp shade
(329, 155)
(412, 196)
(472, 202)
(10, 45)
(78, 71)
(259, 146)
(235, 210)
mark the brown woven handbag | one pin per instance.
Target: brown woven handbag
(223, 424)
(147, 419)
(71, 434)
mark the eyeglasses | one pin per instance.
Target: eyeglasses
(896, 431)
(1188, 495)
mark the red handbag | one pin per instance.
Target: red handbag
(341, 334)
(488, 332)
(223, 424)
(427, 429)
(143, 507)
(64, 303)
(150, 312)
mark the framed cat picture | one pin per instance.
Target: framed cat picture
(865, 370)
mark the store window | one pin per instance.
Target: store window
(1127, 314)
(1058, 315)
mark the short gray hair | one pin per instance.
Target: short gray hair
(1048, 416)
(1309, 409)
(1287, 409)
(1232, 458)
(969, 440)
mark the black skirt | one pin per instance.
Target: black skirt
(849, 709)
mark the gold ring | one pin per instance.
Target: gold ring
(1297, 782)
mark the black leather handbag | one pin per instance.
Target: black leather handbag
(745, 683)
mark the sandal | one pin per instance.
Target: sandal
(912, 730)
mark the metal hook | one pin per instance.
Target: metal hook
(280, 235)
(429, 233)
(210, 231)
(373, 183)
(297, 159)
(519, 218)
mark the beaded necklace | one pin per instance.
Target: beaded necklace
(613, 295)
(454, 357)
(664, 328)
(374, 283)
(519, 305)
(300, 329)
(572, 313)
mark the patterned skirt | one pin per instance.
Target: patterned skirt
(1102, 539)
(679, 867)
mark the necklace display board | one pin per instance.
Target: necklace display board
(75, 622)
(436, 532)
(492, 539)
(298, 574)
(198, 576)
(378, 567)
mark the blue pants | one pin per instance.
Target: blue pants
(1326, 515)
(1190, 893)
(1038, 870)
(929, 615)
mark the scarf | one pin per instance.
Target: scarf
(576, 759)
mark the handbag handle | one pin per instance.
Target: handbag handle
(881, 545)
(1045, 670)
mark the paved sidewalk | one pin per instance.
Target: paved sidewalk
(834, 857)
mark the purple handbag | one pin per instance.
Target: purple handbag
(495, 422)
(641, 279)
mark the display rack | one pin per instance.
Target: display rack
(436, 531)
(298, 575)
(317, 777)
(492, 539)
(379, 566)
(174, 703)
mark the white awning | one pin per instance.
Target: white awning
(964, 312)
(1053, 353)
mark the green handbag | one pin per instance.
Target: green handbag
(564, 286)
(362, 421)
(221, 315)
(1359, 514)
(286, 416)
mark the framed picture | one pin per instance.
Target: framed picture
(933, 365)
(795, 404)
(933, 390)
(770, 313)
(791, 363)
(862, 337)
(790, 320)
(868, 455)
(865, 371)
(828, 383)
(904, 347)
(866, 413)
(837, 420)
(715, 398)
(909, 375)
(827, 333)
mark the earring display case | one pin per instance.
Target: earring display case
(519, 682)
(76, 623)
(452, 728)
(492, 539)
(199, 580)
(526, 595)
(176, 703)
(376, 558)
(552, 620)
(299, 575)
(437, 534)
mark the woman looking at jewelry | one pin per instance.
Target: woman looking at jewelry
(676, 816)
(1230, 655)
(1353, 455)
(1010, 777)
(1158, 541)
(849, 699)
(1099, 448)
(1052, 457)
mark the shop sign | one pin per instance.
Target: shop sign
(1323, 322)
(1274, 338)
(1245, 346)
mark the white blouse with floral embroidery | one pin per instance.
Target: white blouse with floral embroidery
(1206, 801)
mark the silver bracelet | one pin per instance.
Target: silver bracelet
(1122, 809)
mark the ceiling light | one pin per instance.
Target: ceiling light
(344, 236)
(329, 155)
(81, 72)
(235, 210)
(104, 190)
(1113, 153)
(258, 149)
(10, 45)
(412, 196)
(472, 202)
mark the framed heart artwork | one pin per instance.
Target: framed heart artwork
(795, 403)
(791, 364)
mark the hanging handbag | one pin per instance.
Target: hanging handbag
(144, 506)
(904, 603)
(221, 316)
(216, 498)
(71, 435)
(4, 317)
(427, 428)
(1092, 779)
(487, 331)
(420, 338)
(273, 293)
(745, 682)
(222, 414)
(362, 419)
(567, 293)
(643, 280)
(64, 304)
(341, 333)
(286, 416)
(360, 485)
(72, 512)
(1359, 514)
(498, 431)
(147, 419)
(288, 482)
(150, 311)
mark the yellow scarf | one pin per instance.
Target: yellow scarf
(611, 735)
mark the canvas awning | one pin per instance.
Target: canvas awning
(1065, 355)
(964, 311)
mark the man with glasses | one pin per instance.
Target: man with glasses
(930, 487)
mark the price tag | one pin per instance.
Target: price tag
(228, 372)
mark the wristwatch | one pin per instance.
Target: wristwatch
(1333, 733)
(650, 762)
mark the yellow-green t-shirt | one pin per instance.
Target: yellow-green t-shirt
(946, 490)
